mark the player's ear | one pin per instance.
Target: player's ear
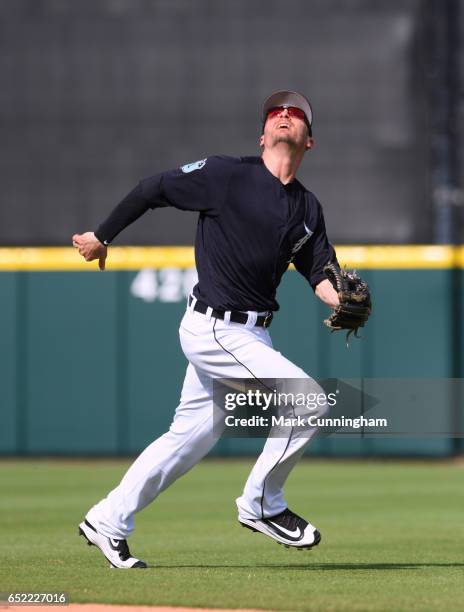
(310, 143)
(261, 140)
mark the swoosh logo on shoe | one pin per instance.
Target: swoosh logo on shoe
(114, 544)
(296, 533)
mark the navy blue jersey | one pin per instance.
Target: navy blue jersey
(250, 228)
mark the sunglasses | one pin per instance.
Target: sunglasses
(291, 110)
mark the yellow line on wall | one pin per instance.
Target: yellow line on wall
(119, 258)
(134, 258)
(399, 257)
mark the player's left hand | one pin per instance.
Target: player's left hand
(354, 297)
(90, 248)
(326, 293)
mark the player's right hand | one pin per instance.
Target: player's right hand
(90, 248)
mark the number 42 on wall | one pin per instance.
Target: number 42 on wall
(165, 285)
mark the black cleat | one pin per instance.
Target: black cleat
(286, 528)
(116, 551)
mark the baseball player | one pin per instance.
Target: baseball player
(255, 218)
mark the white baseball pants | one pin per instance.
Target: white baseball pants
(215, 349)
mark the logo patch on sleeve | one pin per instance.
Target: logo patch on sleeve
(198, 165)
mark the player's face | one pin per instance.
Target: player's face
(286, 125)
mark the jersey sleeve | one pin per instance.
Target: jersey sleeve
(133, 206)
(316, 253)
(190, 187)
(196, 186)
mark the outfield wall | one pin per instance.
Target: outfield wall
(91, 362)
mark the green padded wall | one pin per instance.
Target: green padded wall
(10, 411)
(87, 367)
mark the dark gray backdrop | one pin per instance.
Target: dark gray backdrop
(97, 94)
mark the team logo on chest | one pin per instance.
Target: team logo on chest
(299, 244)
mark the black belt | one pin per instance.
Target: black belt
(235, 316)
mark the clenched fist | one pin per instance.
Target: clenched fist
(90, 248)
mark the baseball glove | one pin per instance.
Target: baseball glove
(355, 300)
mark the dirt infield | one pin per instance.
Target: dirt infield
(109, 608)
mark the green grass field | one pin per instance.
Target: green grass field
(392, 538)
